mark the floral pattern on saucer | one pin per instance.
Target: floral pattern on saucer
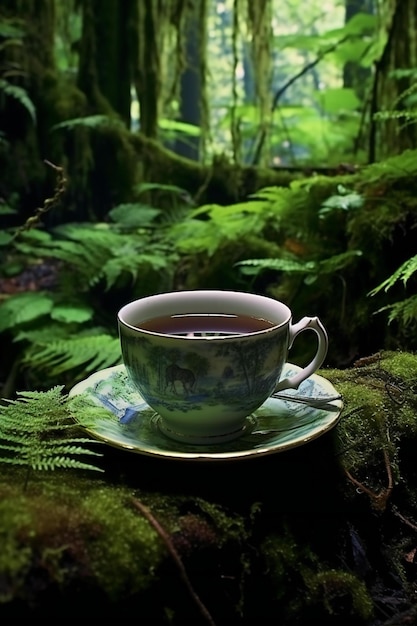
(123, 419)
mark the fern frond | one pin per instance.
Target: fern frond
(404, 272)
(404, 312)
(94, 253)
(294, 266)
(134, 215)
(34, 432)
(63, 463)
(89, 352)
(19, 94)
(279, 265)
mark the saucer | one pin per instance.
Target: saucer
(122, 418)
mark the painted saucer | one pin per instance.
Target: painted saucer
(118, 415)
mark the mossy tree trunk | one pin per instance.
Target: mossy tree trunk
(190, 88)
(28, 138)
(395, 73)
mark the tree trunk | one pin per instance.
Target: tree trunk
(400, 53)
(190, 90)
(147, 72)
(28, 139)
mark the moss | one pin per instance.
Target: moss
(98, 538)
(15, 556)
(339, 592)
(304, 586)
(125, 553)
(70, 532)
(378, 420)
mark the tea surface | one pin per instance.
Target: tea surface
(202, 324)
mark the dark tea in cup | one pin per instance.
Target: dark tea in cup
(205, 324)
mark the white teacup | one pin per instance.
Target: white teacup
(205, 360)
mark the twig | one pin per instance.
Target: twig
(404, 519)
(49, 203)
(379, 500)
(175, 556)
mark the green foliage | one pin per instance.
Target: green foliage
(35, 433)
(404, 311)
(404, 108)
(210, 227)
(65, 329)
(309, 115)
(84, 351)
(312, 270)
(97, 252)
(403, 273)
(24, 307)
(19, 94)
(133, 215)
(345, 200)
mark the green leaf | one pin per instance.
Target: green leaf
(134, 215)
(344, 201)
(5, 238)
(24, 307)
(68, 313)
(361, 23)
(336, 100)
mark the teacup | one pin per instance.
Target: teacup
(205, 360)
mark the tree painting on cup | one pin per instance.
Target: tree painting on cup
(213, 376)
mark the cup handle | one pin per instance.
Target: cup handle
(306, 323)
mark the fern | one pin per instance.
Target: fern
(89, 352)
(404, 312)
(98, 252)
(133, 215)
(34, 432)
(208, 227)
(404, 272)
(19, 94)
(294, 266)
(58, 328)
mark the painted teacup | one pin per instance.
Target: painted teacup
(206, 360)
